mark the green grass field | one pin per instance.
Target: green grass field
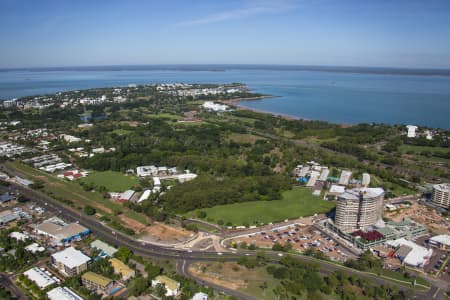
(297, 202)
(418, 149)
(65, 190)
(164, 116)
(112, 181)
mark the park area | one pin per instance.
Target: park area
(112, 181)
(298, 202)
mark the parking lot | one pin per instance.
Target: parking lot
(300, 237)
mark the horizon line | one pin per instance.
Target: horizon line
(411, 71)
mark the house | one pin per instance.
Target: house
(69, 138)
(126, 196)
(143, 171)
(40, 277)
(8, 216)
(122, 269)
(59, 231)
(62, 293)
(209, 105)
(411, 131)
(70, 261)
(106, 249)
(19, 236)
(200, 296)
(34, 248)
(96, 282)
(144, 196)
(6, 197)
(172, 286)
(345, 177)
(186, 177)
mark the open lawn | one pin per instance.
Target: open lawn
(164, 116)
(418, 149)
(244, 138)
(112, 181)
(297, 202)
(64, 191)
(122, 131)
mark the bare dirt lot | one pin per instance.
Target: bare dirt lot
(424, 215)
(226, 275)
(162, 233)
(133, 224)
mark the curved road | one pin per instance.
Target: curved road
(148, 250)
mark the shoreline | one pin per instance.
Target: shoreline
(236, 103)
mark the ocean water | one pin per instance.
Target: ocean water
(339, 96)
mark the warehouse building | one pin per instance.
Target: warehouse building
(60, 231)
(40, 277)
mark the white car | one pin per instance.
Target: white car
(280, 254)
(219, 253)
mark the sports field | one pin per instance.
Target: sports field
(297, 202)
(112, 181)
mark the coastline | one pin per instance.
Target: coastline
(236, 103)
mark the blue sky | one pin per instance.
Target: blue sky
(393, 33)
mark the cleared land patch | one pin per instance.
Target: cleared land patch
(237, 277)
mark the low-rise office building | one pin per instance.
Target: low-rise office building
(441, 242)
(96, 282)
(70, 261)
(60, 231)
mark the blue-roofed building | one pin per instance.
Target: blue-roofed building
(6, 197)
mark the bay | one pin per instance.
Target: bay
(334, 95)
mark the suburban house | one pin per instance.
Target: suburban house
(122, 269)
(106, 249)
(172, 286)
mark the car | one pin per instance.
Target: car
(190, 251)
(219, 253)
(280, 254)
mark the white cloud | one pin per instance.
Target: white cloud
(254, 7)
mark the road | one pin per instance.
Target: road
(7, 282)
(151, 251)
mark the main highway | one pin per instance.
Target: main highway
(184, 257)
